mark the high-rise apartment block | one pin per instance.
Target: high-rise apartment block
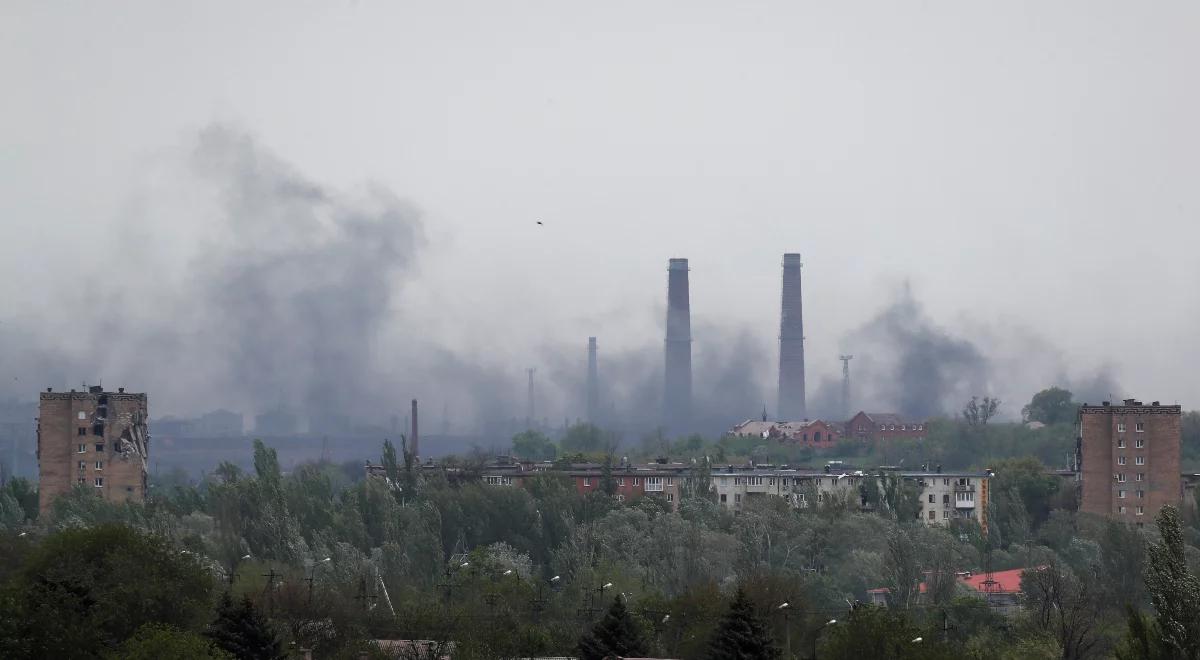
(96, 439)
(1128, 459)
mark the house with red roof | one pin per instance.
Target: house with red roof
(1001, 589)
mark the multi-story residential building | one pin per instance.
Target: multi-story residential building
(1127, 457)
(665, 480)
(95, 438)
(944, 496)
(884, 426)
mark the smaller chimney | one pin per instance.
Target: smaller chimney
(416, 448)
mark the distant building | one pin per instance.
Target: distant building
(884, 426)
(811, 433)
(276, 422)
(944, 496)
(96, 439)
(1000, 589)
(1128, 459)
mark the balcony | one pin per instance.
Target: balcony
(964, 503)
(964, 488)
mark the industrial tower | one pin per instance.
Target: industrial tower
(677, 395)
(792, 406)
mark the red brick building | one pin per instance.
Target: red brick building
(884, 426)
(814, 433)
(1128, 459)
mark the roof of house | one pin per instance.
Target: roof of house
(999, 582)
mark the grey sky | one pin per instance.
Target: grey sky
(1029, 169)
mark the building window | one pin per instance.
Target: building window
(82, 449)
(945, 515)
(722, 498)
(1120, 509)
(737, 498)
(1120, 460)
(1141, 476)
(620, 481)
(903, 427)
(99, 482)
(82, 430)
(99, 446)
(817, 436)
(670, 497)
(1141, 510)
(1120, 427)
(945, 499)
(1139, 460)
(883, 427)
(1121, 494)
(892, 427)
(637, 481)
(946, 481)
(82, 480)
(82, 465)
(931, 499)
(1120, 443)
(1139, 427)
(670, 481)
(933, 515)
(81, 415)
(1141, 494)
(620, 497)
(587, 481)
(98, 429)
(1140, 443)
(1121, 477)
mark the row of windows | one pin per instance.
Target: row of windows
(1141, 510)
(98, 482)
(903, 427)
(670, 497)
(1137, 460)
(1138, 427)
(1141, 476)
(1140, 443)
(83, 465)
(1140, 494)
(81, 448)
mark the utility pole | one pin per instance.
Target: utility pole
(845, 385)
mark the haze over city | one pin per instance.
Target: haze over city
(335, 207)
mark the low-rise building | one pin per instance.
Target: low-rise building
(884, 426)
(810, 433)
(943, 496)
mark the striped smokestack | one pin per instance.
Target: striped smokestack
(593, 383)
(677, 397)
(791, 344)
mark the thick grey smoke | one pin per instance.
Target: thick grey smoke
(297, 292)
(904, 362)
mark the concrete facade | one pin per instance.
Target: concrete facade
(97, 439)
(1128, 459)
(944, 496)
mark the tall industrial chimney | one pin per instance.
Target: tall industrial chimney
(791, 344)
(677, 397)
(416, 447)
(593, 383)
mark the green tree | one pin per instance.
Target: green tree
(86, 590)
(242, 631)
(25, 493)
(617, 634)
(1051, 406)
(155, 641)
(741, 635)
(1174, 591)
(880, 633)
(978, 411)
(585, 438)
(533, 446)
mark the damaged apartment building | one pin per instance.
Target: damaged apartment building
(95, 439)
